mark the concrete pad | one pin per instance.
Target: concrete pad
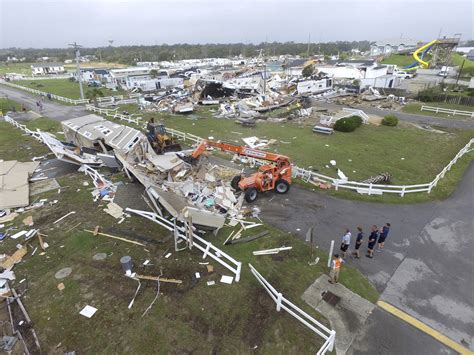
(346, 317)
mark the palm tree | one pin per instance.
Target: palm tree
(93, 94)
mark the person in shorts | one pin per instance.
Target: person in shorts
(336, 264)
(346, 241)
(358, 243)
(372, 240)
(383, 235)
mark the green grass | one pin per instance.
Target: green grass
(416, 109)
(8, 105)
(19, 68)
(62, 87)
(16, 145)
(360, 154)
(230, 318)
(401, 60)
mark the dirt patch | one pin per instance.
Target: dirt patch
(259, 317)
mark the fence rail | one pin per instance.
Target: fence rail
(448, 111)
(198, 242)
(328, 335)
(370, 189)
(116, 99)
(307, 175)
(454, 99)
(114, 114)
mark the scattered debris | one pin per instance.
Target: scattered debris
(61, 286)
(66, 215)
(227, 279)
(88, 311)
(114, 237)
(381, 178)
(271, 251)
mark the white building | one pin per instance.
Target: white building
(119, 76)
(314, 86)
(393, 45)
(252, 84)
(381, 82)
(47, 68)
(147, 83)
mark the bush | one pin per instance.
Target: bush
(348, 124)
(428, 95)
(390, 120)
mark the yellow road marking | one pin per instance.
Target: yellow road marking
(424, 328)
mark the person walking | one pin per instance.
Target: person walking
(336, 264)
(383, 235)
(358, 243)
(346, 241)
(372, 240)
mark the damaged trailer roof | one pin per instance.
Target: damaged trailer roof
(93, 128)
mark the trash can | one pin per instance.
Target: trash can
(126, 262)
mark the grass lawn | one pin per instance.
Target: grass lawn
(416, 109)
(62, 87)
(7, 105)
(19, 68)
(401, 60)
(187, 318)
(411, 155)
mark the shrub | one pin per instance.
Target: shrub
(390, 120)
(428, 95)
(348, 124)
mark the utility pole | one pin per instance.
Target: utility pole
(309, 43)
(460, 71)
(78, 69)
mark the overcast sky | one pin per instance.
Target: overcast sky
(43, 23)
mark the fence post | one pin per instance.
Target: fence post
(278, 302)
(403, 191)
(239, 270)
(430, 187)
(206, 251)
(336, 184)
(370, 189)
(331, 248)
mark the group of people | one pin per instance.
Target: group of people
(376, 236)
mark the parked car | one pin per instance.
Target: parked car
(404, 75)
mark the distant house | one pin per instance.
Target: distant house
(397, 45)
(47, 68)
(470, 55)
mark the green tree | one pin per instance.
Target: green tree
(93, 94)
(308, 70)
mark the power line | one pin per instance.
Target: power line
(78, 69)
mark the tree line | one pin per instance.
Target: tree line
(132, 54)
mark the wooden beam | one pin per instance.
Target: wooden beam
(114, 237)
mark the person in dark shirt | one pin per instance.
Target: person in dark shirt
(372, 240)
(358, 243)
(383, 235)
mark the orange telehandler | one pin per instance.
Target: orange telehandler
(273, 176)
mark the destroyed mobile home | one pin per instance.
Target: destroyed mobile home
(176, 183)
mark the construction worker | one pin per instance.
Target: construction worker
(336, 264)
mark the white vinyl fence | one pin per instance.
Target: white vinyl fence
(369, 189)
(200, 243)
(307, 175)
(448, 111)
(116, 99)
(327, 334)
(113, 113)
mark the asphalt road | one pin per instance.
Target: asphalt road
(426, 269)
(418, 119)
(51, 109)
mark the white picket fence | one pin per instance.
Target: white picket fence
(327, 334)
(25, 129)
(197, 242)
(113, 113)
(448, 111)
